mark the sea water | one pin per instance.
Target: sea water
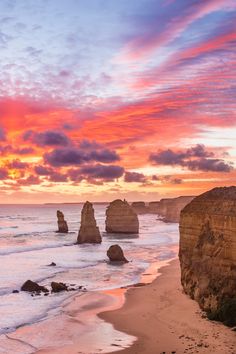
(29, 243)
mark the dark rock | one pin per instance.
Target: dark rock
(31, 286)
(15, 291)
(116, 254)
(62, 224)
(58, 287)
(52, 264)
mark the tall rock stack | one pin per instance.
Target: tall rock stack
(121, 218)
(88, 232)
(208, 248)
(62, 224)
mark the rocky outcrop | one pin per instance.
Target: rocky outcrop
(139, 207)
(32, 286)
(208, 248)
(58, 287)
(169, 208)
(116, 254)
(62, 224)
(88, 232)
(121, 218)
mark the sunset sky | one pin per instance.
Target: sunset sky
(102, 99)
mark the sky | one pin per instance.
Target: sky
(106, 99)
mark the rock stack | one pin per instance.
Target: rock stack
(121, 218)
(208, 249)
(88, 232)
(62, 224)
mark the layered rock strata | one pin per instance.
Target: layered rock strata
(208, 248)
(62, 224)
(121, 218)
(88, 232)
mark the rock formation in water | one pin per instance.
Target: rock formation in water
(88, 232)
(169, 208)
(208, 250)
(62, 224)
(121, 218)
(58, 287)
(139, 207)
(32, 286)
(116, 254)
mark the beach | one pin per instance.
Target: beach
(165, 320)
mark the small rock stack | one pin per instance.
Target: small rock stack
(62, 224)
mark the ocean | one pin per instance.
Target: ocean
(29, 243)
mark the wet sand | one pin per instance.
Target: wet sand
(165, 320)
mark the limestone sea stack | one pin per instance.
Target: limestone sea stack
(208, 250)
(88, 232)
(116, 254)
(121, 218)
(62, 224)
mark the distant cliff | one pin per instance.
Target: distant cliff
(169, 209)
(208, 251)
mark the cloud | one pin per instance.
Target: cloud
(47, 138)
(96, 172)
(107, 173)
(214, 165)
(2, 134)
(135, 177)
(43, 171)
(30, 180)
(3, 173)
(195, 158)
(18, 165)
(73, 156)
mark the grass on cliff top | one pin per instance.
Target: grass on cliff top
(226, 313)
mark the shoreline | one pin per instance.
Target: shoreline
(165, 320)
(71, 328)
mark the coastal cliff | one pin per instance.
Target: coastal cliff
(208, 248)
(169, 208)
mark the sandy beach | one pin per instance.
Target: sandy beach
(165, 320)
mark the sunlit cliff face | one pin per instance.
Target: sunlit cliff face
(104, 99)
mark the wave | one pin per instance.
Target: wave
(34, 248)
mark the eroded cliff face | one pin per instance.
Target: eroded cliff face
(121, 218)
(208, 247)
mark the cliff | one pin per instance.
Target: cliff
(169, 208)
(121, 218)
(88, 232)
(139, 207)
(208, 248)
